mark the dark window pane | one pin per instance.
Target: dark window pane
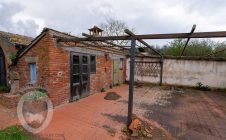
(85, 69)
(75, 78)
(75, 69)
(93, 64)
(84, 78)
(85, 60)
(75, 59)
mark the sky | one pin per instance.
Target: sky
(29, 17)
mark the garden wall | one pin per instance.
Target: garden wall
(187, 71)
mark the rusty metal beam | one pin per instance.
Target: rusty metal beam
(142, 41)
(147, 36)
(188, 39)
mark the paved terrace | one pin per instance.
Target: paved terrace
(186, 114)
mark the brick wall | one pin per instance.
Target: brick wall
(40, 50)
(103, 76)
(53, 70)
(59, 74)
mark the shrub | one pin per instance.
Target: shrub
(35, 95)
(14, 133)
(200, 86)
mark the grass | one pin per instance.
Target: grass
(14, 133)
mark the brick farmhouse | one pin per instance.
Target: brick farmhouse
(68, 71)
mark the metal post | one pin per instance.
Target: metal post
(131, 79)
(161, 72)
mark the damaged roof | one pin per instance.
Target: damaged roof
(16, 39)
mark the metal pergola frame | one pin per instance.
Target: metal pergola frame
(133, 38)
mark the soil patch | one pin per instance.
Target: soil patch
(112, 96)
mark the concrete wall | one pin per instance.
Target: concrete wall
(188, 72)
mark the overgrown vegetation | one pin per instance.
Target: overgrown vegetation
(14, 133)
(200, 86)
(195, 47)
(4, 89)
(13, 56)
(36, 95)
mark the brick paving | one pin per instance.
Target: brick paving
(185, 114)
(7, 117)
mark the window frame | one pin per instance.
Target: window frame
(33, 73)
(95, 58)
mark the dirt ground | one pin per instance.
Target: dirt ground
(186, 114)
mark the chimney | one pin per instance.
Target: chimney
(95, 31)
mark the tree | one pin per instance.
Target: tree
(195, 47)
(220, 50)
(114, 27)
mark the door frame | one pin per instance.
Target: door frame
(71, 72)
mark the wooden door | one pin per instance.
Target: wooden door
(116, 72)
(79, 76)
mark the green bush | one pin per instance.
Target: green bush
(14, 133)
(35, 95)
(200, 86)
(12, 56)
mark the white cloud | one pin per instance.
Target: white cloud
(145, 16)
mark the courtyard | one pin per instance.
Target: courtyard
(185, 114)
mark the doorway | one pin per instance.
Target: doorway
(2, 68)
(116, 72)
(80, 76)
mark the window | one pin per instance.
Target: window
(121, 64)
(93, 64)
(32, 73)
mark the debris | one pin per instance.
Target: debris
(139, 128)
(135, 125)
(112, 96)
